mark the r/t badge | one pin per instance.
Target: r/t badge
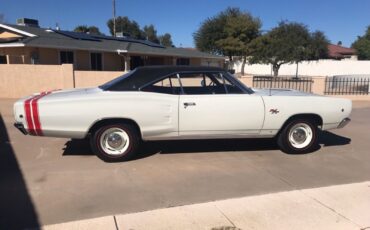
(274, 111)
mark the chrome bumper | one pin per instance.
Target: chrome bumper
(344, 122)
(21, 128)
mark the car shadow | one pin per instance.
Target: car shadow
(331, 139)
(81, 147)
(16, 207)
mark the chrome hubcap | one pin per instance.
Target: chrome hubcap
(114, 141)
(300, 135)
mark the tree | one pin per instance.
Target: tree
(87, 29)
(166, 40)
(339, 43)
(132, 29)
(362, 45)
(288, 43)
(94, 30)
(318, 47)
(81, 29)
(210, 31)
(150, 33)
(229, 33)
(126, 26)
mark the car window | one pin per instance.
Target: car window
(237, 83)
(168, 85)
(201, 83)
(208, 83)
(230, 86)
(119, 83)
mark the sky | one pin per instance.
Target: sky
(340, 20)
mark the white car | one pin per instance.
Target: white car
(179, 102)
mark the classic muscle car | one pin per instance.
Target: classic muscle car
(179, 102)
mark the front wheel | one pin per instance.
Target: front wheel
(115, 142)
(298, 136)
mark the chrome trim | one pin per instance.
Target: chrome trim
(344, 122)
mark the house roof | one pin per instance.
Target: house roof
(337, 51)
(47, 38)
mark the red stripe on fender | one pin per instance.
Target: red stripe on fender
(27, 110)
(35, 113)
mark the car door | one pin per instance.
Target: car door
(160, 108)
(208, 108)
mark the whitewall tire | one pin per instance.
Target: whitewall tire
(298, 136)
(115, 142)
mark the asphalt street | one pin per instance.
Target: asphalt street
(49, 180)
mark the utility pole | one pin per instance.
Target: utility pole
(114, 18)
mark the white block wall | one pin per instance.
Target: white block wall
(313, 68)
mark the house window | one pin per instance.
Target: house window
(96, 61)
(183, 61)
(66, 57)
(3, 59)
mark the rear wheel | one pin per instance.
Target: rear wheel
(298, 136)
(115, 142)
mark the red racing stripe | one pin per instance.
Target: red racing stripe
(35, 113)
(27, 110)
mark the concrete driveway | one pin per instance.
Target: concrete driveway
(48, 180)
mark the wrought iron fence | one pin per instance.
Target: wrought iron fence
(283, 82)
(347, 86)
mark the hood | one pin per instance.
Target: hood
(280, 92)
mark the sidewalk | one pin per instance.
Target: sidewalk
(335, 207)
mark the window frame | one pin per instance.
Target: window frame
(183, 61)
(101, 60)
(73, 56)
(224, 74)
(6, 60)
(170, 77)
(205, 74)
(238, 83)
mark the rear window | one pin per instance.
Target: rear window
(122, 83)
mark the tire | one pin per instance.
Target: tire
(298, 136)
(115, 142)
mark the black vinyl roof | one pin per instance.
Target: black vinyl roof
(165, 70)
(140, 76)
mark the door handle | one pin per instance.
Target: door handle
(186, 104)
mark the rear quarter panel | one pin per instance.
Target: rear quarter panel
(328, 108)
(156, 114)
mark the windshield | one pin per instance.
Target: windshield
(115, 81)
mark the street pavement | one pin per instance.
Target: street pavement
(46, 181)
(335, 207)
